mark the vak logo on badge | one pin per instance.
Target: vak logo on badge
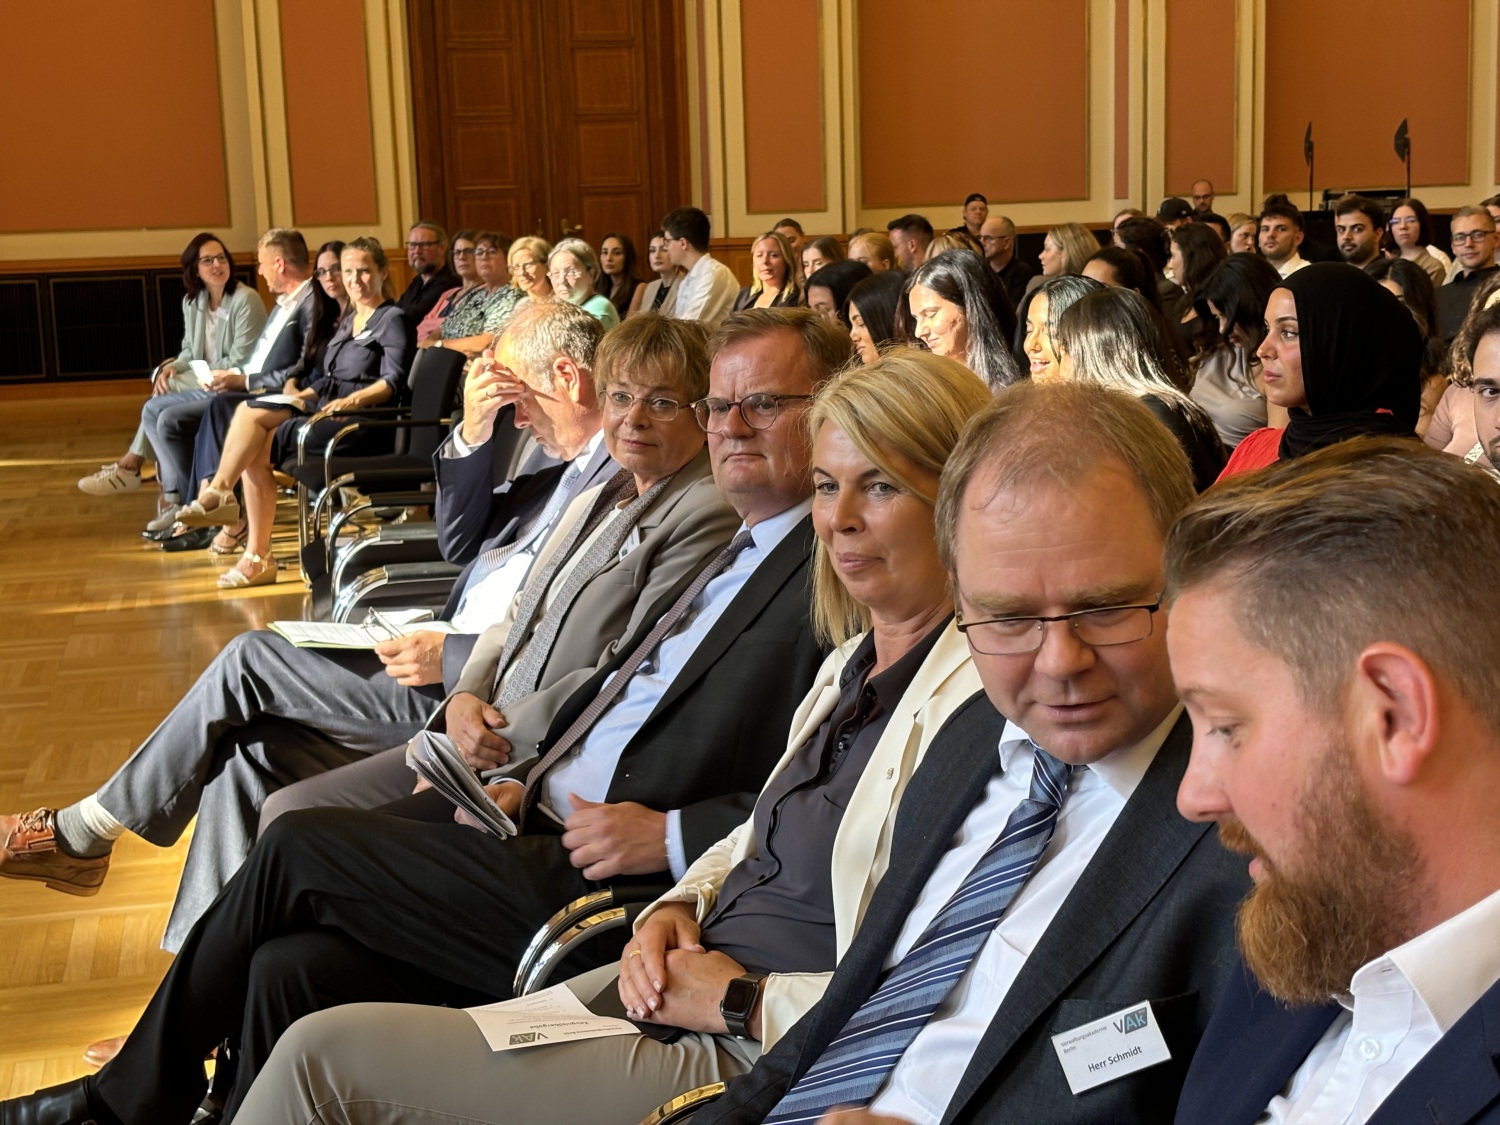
(1132, 1021)
(1105, 1049)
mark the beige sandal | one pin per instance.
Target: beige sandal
(251, 570)
(225, 511)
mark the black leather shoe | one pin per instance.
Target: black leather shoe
(57, 1105)
(195, 539)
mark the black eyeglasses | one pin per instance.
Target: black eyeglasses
(758, 411)
(422, 245)
(326, 271)
(214, 260)
(1097, 628)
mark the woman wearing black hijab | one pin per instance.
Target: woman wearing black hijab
(1342, 356)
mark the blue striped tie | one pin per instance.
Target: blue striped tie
(855, 1064)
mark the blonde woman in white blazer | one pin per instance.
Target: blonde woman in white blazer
(881, 436)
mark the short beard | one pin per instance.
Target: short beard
(1352, 898)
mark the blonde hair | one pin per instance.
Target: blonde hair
(1077, 244)
(793, 269)
(908, 402)
(879, 246)
(656, 351)
(540, 248)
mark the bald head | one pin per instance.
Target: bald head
(998, 238)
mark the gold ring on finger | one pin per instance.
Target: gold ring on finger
(634, 953)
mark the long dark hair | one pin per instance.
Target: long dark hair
(326, 311)
(1133, 271)
(967, 281)
(619, 292)
(839, 278)
(1202, 251)
(876, 298)
(1061, 292)
(190, 279)
(1420, 299)
(1239, 288)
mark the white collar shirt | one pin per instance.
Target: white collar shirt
(1397, 1008)
(1292, 265)
(281, 315)
(923, 1082)
(705, 292)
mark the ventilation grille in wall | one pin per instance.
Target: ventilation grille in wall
(108, 325)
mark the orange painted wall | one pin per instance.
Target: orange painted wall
(957, 96)
(1200, 93)
(1320, 62)
(328, 112)
(112, 116)
(1122, 98)
(783, 127)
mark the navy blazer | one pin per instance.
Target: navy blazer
(285, 358)
(1254, 1044)
(383, 350)
(1150, 918)
(469, 506)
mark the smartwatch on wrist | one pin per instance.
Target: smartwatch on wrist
(740, 998)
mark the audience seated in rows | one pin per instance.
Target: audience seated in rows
(222, 318)
(477, 318)
(461, 260)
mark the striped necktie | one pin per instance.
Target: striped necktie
(496, 557)
(857, 1062)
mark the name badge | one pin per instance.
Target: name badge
(1110, 1048)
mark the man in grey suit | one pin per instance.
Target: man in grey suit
(1092, 919)
(265, 714)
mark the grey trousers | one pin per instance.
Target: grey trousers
(263, 715)
(380, 1064)
(366, 784)
(171, 423)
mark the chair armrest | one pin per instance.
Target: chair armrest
(580, 919)
(685, 1105)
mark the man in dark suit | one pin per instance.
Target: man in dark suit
(172, 420)
(339, 905)
(1040, 880)
(265, 714)
(1348, 739)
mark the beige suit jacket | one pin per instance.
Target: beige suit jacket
(685, 526)
(861, 847)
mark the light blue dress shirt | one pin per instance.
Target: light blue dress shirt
(589, 771)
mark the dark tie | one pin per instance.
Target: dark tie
(858, 1061)
(616, 683)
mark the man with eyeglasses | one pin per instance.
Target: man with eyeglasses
(1051, 935)
(431, 277)
(998, 239)
(1473, 235)
(342, 905)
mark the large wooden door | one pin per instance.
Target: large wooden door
(551, 117)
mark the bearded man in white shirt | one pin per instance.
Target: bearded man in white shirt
(1347, 737)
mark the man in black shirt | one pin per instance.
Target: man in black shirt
(427, 254)
(998, 238)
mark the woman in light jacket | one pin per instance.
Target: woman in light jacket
(820, 832)
(221, 319)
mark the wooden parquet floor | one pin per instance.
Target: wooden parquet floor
(100, 633)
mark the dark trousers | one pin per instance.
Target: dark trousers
(336, 906)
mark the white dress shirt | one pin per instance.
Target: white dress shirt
(923, 1082)
(1399, 1005)
(706, 293)
(487, 601)
(590, 769)
(280, 316)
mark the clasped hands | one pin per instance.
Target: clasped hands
(667, 977)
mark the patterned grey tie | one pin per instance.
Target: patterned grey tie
(496, 557)
(616, 683)
(527, 673)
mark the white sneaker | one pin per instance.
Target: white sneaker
(110, 480)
